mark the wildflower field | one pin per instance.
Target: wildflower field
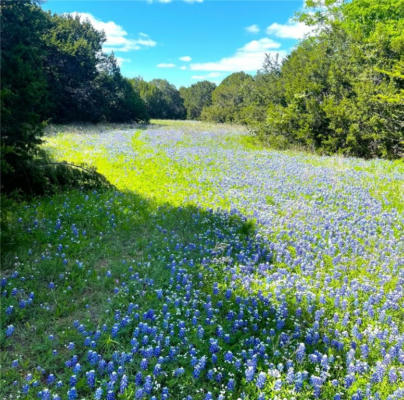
(213, 269)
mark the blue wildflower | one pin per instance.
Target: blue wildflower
(72, 393)
(261, 378)
(90, 375)
(10, 330)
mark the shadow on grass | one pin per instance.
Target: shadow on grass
(190, 274)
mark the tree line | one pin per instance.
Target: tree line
(53, 69)
(339, 91)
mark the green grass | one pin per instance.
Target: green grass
(84, 293)
(167, 205)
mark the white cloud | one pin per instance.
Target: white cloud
(183, 67)
(290, 30)
(207, 76)
(250, 57)
(121, 60)
(116, 36)
(165, 65)
(252, 28)
(185, 58)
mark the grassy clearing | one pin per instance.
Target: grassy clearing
(208, 244)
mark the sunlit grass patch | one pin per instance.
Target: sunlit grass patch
(215, 267)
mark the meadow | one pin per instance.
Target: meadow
(214, 268)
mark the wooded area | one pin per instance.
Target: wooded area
(339, 91)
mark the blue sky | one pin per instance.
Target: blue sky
(184, 41)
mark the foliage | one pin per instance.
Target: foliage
(23, 84)
(42, 176)
(162, 99)
(228, 98)
(196, 97)
(53, 68)
(71, 67)
(266, 89)
(84, 83)
(117, 99)
(342, 90)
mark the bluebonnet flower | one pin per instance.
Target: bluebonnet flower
(261, 378)
(179, 371)
(165, 393)
(124, 384)
(98, 393)
(317, 383)
(72, 393)
(349, 380)
(228, 356)
(278, 385)
(197, 370)
(157, 369)
(144, 363)
(114, 376)
(209, 374)
(324, 361)
(10, 330)
(299, 378)
(51, 379)
(148, 384)
(90, 375)
(249, 373)
(393, 375)
(77, 369)
(46, 394)
(139, 378)
(110, 395)
(300, 353)
(110, 367)
(73, 380)
(378, 375)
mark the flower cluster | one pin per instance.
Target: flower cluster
(287, 283)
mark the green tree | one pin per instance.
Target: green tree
(73, 52)
(196, 97)
(267, 88)
(162, 99)
(115, 97)
(343, 88)
(228, 98)
(23, 88)
(52, 67)
(173, 105)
